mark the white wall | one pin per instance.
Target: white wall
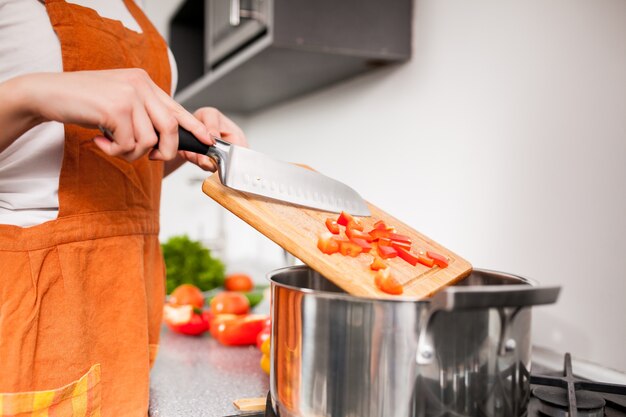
(504, 139)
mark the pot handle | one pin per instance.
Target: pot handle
(459, 298)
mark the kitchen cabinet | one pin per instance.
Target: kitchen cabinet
(244, 55)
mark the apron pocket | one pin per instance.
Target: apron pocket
(80, 398)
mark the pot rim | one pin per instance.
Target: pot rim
(345, 296)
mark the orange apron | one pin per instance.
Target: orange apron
(81, 296)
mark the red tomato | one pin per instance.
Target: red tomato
(238, 282)
(187, 294)
(364, 244)
(219, 319)
(378, 264)
(184, 320)
(263, 336)
(387, 283)
(425, 261)
(439, 260)
(406, 255)
(386, 252)
(332, 226)
(240, 331)
(230, 302)
(327, 243)
(348, 248)
(344, 218)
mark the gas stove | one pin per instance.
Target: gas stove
(560, 395)
(567, 396)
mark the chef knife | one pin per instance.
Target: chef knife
(253, 172)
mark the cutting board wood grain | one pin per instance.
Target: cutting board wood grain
(296, 229)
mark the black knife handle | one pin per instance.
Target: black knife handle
(188, 142)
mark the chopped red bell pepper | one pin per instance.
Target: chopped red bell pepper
(186, 319)
(332, 226)
(327, 243)
(397, 244)
(396, 237)
(344, 218)
(364, 244)
(386, 252)
(265, 333)
(377, 264)
(425, 261)
(387, 282)
(406, 255)
(347, 248)
(358, 234)
(354, 224)
(380, 225)
(379, 234)
(439, 260)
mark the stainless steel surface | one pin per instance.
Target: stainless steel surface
(256, 173)
(338, 355)
(234, 13)
(230, 26)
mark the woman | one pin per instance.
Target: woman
(82, 278)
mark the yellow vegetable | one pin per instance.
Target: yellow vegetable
(265, 346)
(265, 363)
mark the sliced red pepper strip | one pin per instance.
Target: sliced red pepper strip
(347, 248)
(381, 225)
(333, 226)
(386, 252)
(379, 233)
(377, 264)
(387, 282)
(399, 238)
(407, 256)
(364, 244)
(354, 224)
(383, 241)
(425, 261)
(397, 244)
(358, 234)
(344, 218)
(327, 243)
(439, 260)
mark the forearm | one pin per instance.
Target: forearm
(16, 113)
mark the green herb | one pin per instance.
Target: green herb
(189, 262)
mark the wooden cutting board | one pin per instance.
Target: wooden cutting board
(296, 229)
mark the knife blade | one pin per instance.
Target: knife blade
(256, 173)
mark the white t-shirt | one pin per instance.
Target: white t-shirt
(30, 167)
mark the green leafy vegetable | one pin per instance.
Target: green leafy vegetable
(189, 262)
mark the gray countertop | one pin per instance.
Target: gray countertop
(198, 377)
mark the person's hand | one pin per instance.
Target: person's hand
(219, 126)
(126, 102)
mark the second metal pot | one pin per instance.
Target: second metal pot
(465, 352)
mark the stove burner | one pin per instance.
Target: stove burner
(554, 402)
(568, 396)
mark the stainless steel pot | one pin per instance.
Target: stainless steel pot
(464, 352)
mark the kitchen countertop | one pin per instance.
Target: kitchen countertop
(196, 376)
